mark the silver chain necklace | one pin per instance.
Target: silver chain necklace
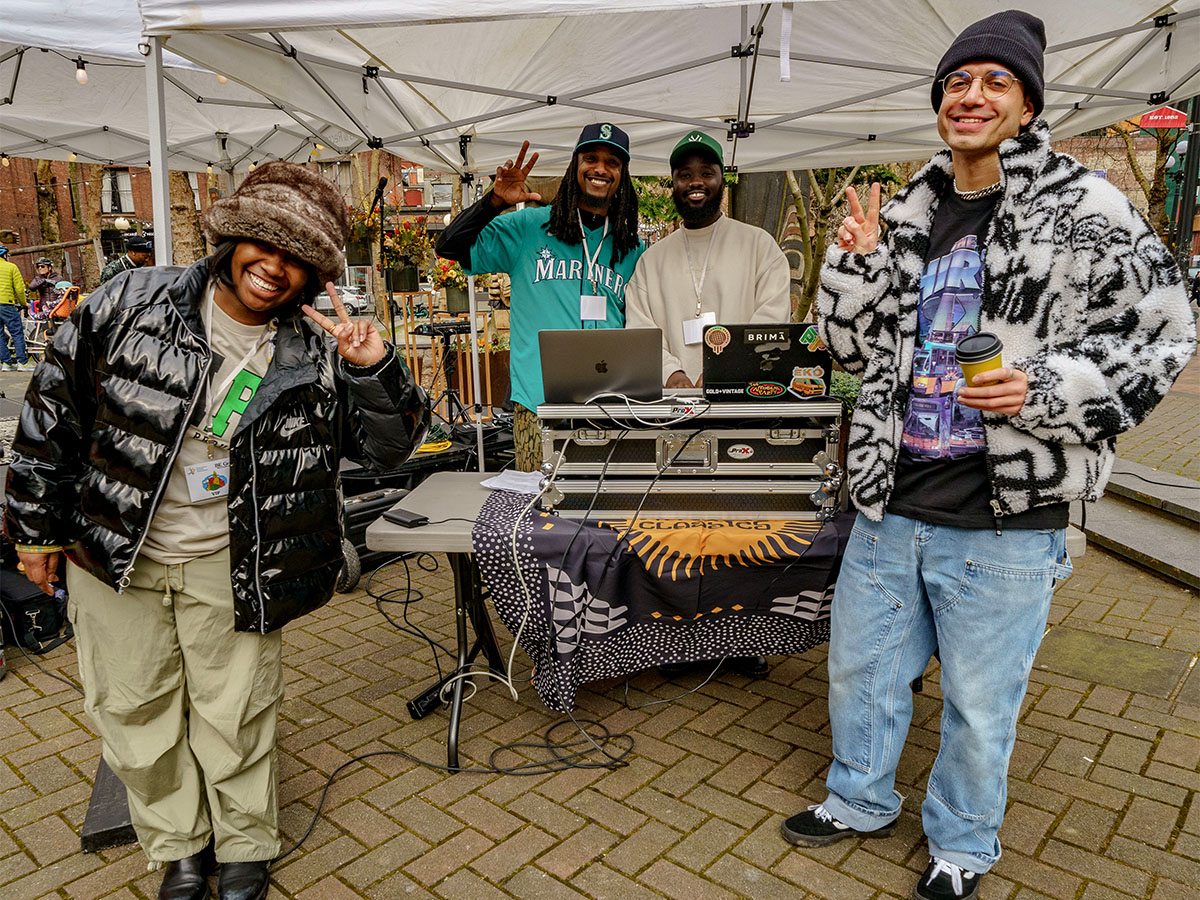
(980, 193)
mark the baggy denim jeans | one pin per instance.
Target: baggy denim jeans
(10, 321)
(981, 599)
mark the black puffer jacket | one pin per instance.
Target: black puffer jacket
(106, 412)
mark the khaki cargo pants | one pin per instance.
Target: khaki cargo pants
(186, 707)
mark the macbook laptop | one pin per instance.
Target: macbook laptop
(578, 365)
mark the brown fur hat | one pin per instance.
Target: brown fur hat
(289, 207)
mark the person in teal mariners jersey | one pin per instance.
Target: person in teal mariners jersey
(569, 262)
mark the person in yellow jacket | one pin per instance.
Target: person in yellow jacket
(12, 298)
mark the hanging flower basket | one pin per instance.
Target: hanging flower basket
(404, 279)
(358, 253)
(457, 300)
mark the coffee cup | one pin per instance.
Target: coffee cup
(980, 352)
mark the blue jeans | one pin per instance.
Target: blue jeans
(10, 321)
(906, 589)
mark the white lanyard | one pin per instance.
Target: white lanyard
(589, 257)
(698, 283)
(219, 393)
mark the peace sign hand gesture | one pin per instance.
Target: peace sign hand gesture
(860, 232)
(509, 186)
(358, 341)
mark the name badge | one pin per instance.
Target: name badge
(693, 329)
(593, 307)
(207, 480)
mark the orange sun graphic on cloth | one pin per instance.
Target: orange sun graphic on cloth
(687, 547)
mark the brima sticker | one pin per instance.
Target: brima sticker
(765, 389)
(740, 451)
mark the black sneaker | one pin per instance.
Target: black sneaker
(816, 827)
(943, 880)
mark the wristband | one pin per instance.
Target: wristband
(39, 548)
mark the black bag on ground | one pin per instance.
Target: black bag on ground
(30, 619)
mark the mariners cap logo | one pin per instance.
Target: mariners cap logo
(606, 131)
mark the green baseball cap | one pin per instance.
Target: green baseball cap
(697, 140)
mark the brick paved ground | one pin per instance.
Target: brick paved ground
(1104, 790)
(1168, 439)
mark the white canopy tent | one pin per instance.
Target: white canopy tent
(438, 81)
(45, 114)
(809, 84)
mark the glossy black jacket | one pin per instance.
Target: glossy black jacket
(106, 412)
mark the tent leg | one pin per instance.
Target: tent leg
(475, 373)
(156, 112)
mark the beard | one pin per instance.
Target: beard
(694, 215)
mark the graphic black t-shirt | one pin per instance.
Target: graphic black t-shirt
(941, 473)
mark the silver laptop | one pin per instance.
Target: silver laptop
(578, 365)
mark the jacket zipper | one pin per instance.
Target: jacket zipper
(997, 514)
(262, 605)
(123, 581)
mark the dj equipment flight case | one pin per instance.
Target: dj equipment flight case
(689, 458)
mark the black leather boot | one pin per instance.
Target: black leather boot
(187, 878)
(243, 881)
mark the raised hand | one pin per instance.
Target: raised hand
(509, 187)
(859, 231)
(358, 341)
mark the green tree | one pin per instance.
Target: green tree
(818, 197)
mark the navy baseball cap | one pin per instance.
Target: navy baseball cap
(604, 133)
(139, 243)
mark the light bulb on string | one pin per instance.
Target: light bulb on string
(4, 160)
(250, 168)
(73, 156)
(208, 168)
(221, 79)
(81, 74)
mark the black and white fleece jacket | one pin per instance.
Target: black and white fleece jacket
(1084, 295)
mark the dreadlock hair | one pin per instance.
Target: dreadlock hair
(622, 212)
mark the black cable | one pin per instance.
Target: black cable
(1186, 487)
(557, 764)
(411, 595)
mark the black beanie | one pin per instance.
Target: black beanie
(1014, 38)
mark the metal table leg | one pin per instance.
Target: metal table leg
(468, 604)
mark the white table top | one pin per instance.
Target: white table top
(443, 495)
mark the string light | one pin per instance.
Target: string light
(73, 156)
(208, 168)
(221, 79)
(4, 160)
(251, 167)
(81, 74)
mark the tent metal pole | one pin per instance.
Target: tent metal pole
(851, 63)
(291, 51)
(391, 98)
(1180, 82)
(743, 66)
(477, 405)
(156, 115)
(1166, 19)
(458, 123)
(12, 88)
(1111, 75)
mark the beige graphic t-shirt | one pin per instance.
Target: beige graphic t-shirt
(193, 517)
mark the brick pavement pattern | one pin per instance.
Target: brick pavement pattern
(1104, 786)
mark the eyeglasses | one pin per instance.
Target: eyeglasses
(995, 84)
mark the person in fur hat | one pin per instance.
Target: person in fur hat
(962, 485)
(179, 446)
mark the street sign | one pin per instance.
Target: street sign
(1164, 117)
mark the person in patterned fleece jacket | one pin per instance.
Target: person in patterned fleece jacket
(962, 490)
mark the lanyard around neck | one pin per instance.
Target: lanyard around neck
(698, 283)
(265, 337)
(589, 257)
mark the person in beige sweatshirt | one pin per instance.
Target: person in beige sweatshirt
(712, 270)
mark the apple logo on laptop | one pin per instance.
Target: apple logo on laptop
(602, 367)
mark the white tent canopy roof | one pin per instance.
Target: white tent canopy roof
(420, 77)
(45, 114)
